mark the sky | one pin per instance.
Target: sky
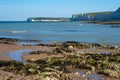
(20, 10)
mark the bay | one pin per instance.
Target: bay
(61, 32)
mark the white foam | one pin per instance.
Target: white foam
(18, 31)
(80, 24)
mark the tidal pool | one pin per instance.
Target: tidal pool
(91, 76)
(17, 55)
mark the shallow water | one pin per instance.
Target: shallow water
(28, 43)
(17, 55)
(61, 32)
(92, 76)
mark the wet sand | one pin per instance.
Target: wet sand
(48, 52)
(6, 48)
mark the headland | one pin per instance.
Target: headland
(108, 17)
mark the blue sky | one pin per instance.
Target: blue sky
(22, 9)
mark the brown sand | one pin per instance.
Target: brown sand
(40, 56)
(6, 48)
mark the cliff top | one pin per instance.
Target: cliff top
(118, 10)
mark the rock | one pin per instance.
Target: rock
(32, 59)
(48, 78)
(32, 70)
(70, 48)
(80, 52)
(83, 75)
(111, 73)
(77, 74)
(92, 68)
(87, 73)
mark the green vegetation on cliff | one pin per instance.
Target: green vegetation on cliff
(95, 13)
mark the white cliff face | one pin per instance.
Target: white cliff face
(82, 17)
(114, 16)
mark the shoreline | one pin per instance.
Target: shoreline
(105, 22)
(9, 45)
(74, 55)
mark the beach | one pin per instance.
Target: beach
(13, 46)
(58, 51)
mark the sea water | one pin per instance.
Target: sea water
(61, 32)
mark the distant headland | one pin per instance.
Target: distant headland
(48, 19)
(95, 16)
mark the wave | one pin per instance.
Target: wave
(18, 31)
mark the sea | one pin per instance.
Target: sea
(49, 32)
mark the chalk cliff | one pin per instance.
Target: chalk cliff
(99, 16)
(96, 16)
